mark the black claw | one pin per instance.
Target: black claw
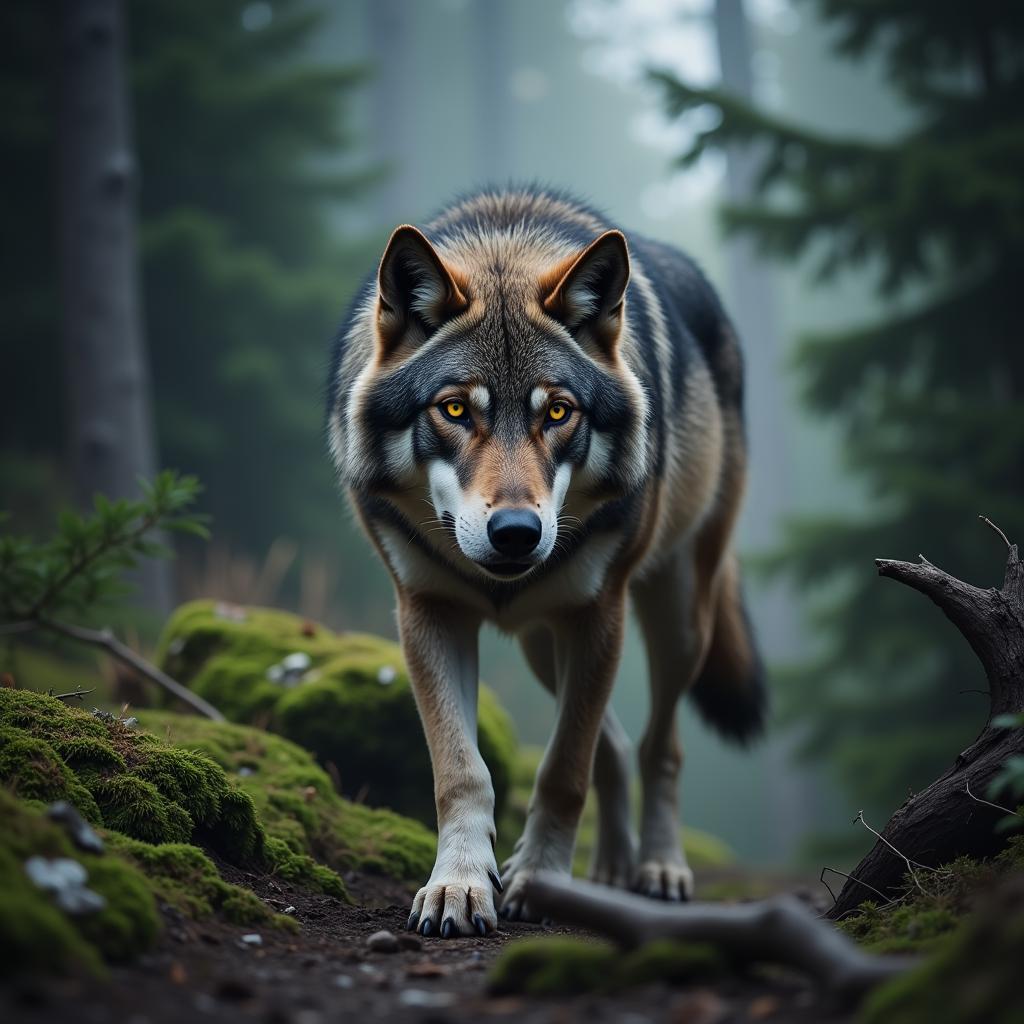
(479, 924)
(447, 928)
(505, 912)
(414, 919)
(546, 922)
(496, 881)
(427, 927)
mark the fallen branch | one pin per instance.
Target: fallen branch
(780, 930)
(105, 638)
(946, 820)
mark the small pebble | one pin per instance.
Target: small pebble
(428, 1000)
(253, 939)
(383, 942)
(344, 981)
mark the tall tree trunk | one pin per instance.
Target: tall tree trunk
(111, 428)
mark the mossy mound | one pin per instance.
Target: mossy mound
(564, 966)
(973, 978)
(35, 935)
(702, 849)
(137, 785)
(298, 803)
(929, 913)
(351, 705)
(183, 877)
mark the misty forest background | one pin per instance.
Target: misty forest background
(872, 229)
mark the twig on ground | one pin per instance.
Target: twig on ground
(77, 695)
(852, 878)
(911, 864)
(778, 930)
(988, 803)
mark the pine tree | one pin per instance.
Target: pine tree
(929, 398)
(245, 160)
(240, 140)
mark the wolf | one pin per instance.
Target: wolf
(537, 420)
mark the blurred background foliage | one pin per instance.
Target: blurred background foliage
(870, 156)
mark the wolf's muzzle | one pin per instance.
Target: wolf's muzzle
(514, 532)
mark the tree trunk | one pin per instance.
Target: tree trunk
(946, 821)
(111, 429)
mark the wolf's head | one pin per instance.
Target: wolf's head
(497, 411)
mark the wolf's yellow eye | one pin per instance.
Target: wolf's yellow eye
(454, 410)
(558, 412)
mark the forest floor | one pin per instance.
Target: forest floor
(325, 972)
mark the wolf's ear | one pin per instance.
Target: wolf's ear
(587, 290)
(415, 288)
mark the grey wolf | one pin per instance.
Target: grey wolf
(536, 419)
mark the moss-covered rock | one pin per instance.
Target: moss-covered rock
(298, 803)
(973, 977)
(935, 908)
(138, 785)
(352, 705)
(35, 935)
(566, 966)
(184, 877)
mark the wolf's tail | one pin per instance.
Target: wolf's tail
(730, 691)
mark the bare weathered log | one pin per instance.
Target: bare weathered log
(780, 930)
(947, 820)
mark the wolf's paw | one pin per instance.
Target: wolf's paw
(614, 861)
(520, 868)
(664, 880)
(456, 907)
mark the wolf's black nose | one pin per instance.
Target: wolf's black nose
(514, 532)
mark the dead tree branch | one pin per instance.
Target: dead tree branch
(946, 820)
(780, 930)
(105, 638)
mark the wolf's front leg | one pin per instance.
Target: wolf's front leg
(588, 643)
(440, 646)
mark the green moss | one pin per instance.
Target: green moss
(34, 934)
(919, 922)
(552, 966)
(33, 770)
(122, 779)
(564, 966)
(300, 809)
(185, 878)
(353, 709)
(140, 786)
(973, 978)
(669, 961)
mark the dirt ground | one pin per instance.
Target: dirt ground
(326, 973)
